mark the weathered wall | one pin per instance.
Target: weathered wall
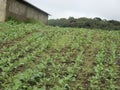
(2, 10)
(16, 10)
(33, 13)
(23, 11)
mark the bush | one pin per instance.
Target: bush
(95, 23)
(34, 22)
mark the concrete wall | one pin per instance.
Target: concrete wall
(33, 13)
(16, 10)
(23, 11)
(2, 10)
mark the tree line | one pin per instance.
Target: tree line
(83, 22)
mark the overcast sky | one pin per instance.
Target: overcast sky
(105, 9)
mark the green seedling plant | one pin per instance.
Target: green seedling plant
(36, 57)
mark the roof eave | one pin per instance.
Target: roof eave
(24, 1)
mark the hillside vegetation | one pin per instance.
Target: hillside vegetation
(83, 22)
(35, 57)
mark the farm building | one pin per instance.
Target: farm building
(21, 10)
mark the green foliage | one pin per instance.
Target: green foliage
(34, 22)
(33, 57)
(95, 23)
(12, 20)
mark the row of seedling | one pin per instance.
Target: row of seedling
(105, 70)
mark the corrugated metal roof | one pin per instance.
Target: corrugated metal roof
(27, 2)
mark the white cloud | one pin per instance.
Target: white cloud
(108, 9)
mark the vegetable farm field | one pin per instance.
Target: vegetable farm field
(37, 57)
